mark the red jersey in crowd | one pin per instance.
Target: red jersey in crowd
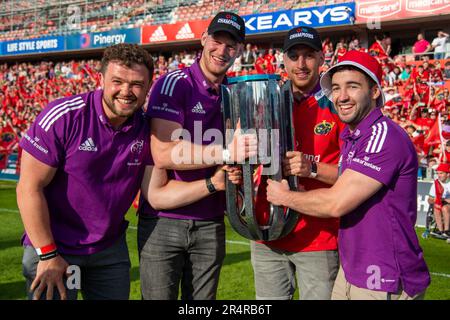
(424, 123)
(341, 52)
(260, 65)
(270, 63)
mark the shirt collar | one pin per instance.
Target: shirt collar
(363, 126)
(313, 92)
(201, 80)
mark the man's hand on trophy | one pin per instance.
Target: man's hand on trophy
(218, 179)
(243, 145)
(296, 164)
(234, 174)
(277, 192)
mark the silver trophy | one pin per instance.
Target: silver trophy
(264, 109)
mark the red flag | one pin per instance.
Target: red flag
(435, 136)
(8, 138)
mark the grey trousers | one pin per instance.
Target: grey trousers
(275, 272)
(105, 275)
(176, 252)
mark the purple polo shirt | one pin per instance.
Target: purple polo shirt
(378, 245)
(99, 170)
(184, 96)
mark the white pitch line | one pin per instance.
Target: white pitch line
(239, 242)
(440, 274)
(232, 242)
(9, 210)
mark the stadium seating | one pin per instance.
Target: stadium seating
(28, 19)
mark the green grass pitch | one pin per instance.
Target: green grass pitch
(236, 281)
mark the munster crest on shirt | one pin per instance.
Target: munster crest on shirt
(323, 128)
(136, 149)
(137, 146)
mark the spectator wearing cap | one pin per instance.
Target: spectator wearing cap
(439, 197)
(309, 251)
(184, 247)
(375, 196)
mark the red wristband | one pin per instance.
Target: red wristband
(46, 249)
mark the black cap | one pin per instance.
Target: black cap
(228, 22)
(302, 35)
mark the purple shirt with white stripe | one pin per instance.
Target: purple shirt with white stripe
(99, 170)
(185, 96)
(378, 245)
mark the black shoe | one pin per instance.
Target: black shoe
(438, 234)
(446, 234)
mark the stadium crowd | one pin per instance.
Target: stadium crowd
(417, 90)
(19, 19)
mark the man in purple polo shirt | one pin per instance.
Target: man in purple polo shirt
(376, 194)
(187, 245)
(82, 165)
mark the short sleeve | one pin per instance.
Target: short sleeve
(44, 139)
(167, 98)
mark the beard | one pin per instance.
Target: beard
(363, 109)
(112, 105)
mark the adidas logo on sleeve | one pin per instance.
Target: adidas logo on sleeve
(88, 145)
(198, 108)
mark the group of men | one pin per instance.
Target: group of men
(87, 156)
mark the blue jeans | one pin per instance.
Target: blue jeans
(174, 252)
(105, 275)
(439, 55)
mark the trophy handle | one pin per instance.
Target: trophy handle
(290, 216)
(236, 215)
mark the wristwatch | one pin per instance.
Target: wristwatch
(313, 173)
(210, 186)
